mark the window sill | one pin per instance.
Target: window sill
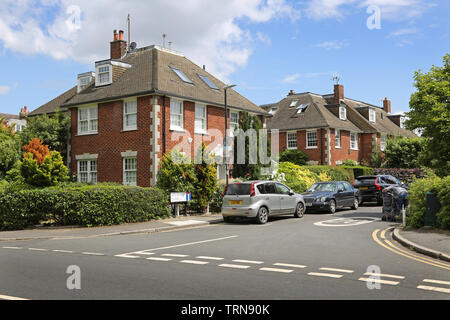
(311, 147)
(129, 129)
(354, 149)
(177, 130)
(86, 134)
(292, 148)
(337, 147)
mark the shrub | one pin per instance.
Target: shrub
(206, 179)
(443, 216)
(402, 152)
(9, 153)
(349, 162)
(217, 199)
(47, 173)
(297, 178)
(86, 205)
(404, 175)
(176, 173)
(294, 156)
(335, 173)
(356, 171)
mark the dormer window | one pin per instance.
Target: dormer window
(273, 111)
(104, 74)
(293, 103)
(372, 115)
(342, 113)
(83, 80)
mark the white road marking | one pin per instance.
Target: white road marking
(276, 270)
(289, 265)
(93, 253)
(437, 281)
(345, 222)
(444, 290)
(186, 223)
(175, 255)
(194, 262)
(374, 280)
(209, 258)
(3, 297)
(143, 252)
(37, 249)
(126, 256)
(237, 266)
(337, 270)
(63, 251)
(158, 259)
(329, 275)
(13, 248)
(383, 275)
(248, 261)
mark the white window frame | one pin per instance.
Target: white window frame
(125, 171)
(173, 115)
(203, 118)
(128, 114)
(308, 146)
(234, 124)
(89, 171)
(337, 138)
(372, 115)
(342, 113)
(98, 74)
(355, 145)
(90, 120)
(291, 140)
(383, 142)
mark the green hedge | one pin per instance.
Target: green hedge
(335, 173)
(357, 171)
(85, 205)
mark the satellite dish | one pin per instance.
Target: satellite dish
(133, 45)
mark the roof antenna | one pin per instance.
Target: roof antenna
(170, 45)
(336, 78)
(129, 29)
(164, 40)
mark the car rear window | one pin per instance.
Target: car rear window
(238, 189)
(365, 181)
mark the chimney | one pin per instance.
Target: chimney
(204, 67)
(23, 112)
(338, 93)
(387, 105)
(291, 93)
(118, 46)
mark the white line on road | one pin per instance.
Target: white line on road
(175, 255)
(209, 258)
(143, 252)
(63, 251)
(337, 270)
(437, 281)
(13, 248)
(248, 261)
(329, 275)
(126, 256)
(37, 249)
(237, 266)
(374, 280)
(158, 259)
(289, 265)
(383, 275)
(444, 290)
(93, 253)
(3, 297)
(276, 270)
(194, 262)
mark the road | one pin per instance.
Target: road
(348, 255)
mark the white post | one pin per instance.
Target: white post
(177, 210)
(404, 215)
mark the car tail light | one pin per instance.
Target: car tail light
(252, 190)
(377, 186)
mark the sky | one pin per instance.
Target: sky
(265, 47)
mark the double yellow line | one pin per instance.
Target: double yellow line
(388, 245)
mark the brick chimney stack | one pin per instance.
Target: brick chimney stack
(23, 112)
(118, 45)
(387, 105)
(338, 93)
(291, 93)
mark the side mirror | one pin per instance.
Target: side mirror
(291, 193)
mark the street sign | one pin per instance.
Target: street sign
(180, 197)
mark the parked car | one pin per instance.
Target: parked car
(260, 200)
(371, 187)
(330, 195)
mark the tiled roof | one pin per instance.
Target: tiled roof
(51, 106)
(151, 73)
(9, 116)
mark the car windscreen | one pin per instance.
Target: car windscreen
(238, 189)
(322, 187)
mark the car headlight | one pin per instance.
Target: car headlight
(323, 199)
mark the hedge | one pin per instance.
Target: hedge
(84, 205)
(404, 175)
(335, 173)
(356, 171)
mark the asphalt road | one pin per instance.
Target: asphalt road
(320, 256)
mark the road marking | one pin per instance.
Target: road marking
(237, 266)
(393, 283)
(145, 253)
(186, 223)
(175, 255)
(276, 270)
(209, 258)
(437, 281)
(289, 265)
(93, 253)
(126, 256)
(337, 270)
(408, 255)
(194, 262)
(158, 259)
(444, 290)
(248, 261)
(329, 275)
(13, 248)
(3, 297)
(345, 222)
(63, 251)
(383, 275)
(37, 249)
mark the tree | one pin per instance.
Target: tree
(294, 156)
(9, 148)
(206, 178)
(52, 131)
(175, 174)
(430, 112)
(402, 152)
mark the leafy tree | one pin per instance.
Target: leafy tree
(9, 148)
(402, 152)
(175, 174)
(297, 157)
(430, 112)
(206, 178)
(52, 131)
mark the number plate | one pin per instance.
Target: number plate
(363, 188)
(235, 202)
(308, 204)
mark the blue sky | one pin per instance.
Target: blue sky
(265, 47)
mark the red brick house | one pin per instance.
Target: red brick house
(140, 104)
(332, 128)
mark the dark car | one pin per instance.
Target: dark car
(331, 195)
(371, 187)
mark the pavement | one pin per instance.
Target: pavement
(73, 232)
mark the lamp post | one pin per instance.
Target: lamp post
(225, 144)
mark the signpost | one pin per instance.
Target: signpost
(179, 197)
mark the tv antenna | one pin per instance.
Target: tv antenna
(164, 40)
(336, 78)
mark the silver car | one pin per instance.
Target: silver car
(260, 199)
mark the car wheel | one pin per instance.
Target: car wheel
(355, 204)
(228, 219)
(332, 206)
(263, 215)
(299, 210)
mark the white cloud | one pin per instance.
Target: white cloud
(403, 32)
(4, 89)
(207, 31)
(332, 45)
(263, 38)
(292, 78)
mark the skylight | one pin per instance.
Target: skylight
(302, 108)
(293, 103)
(181, 75)
(273, 111)
(208, 82)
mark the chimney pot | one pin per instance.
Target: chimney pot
(121, 35)
(116, 35)
(291, 92)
